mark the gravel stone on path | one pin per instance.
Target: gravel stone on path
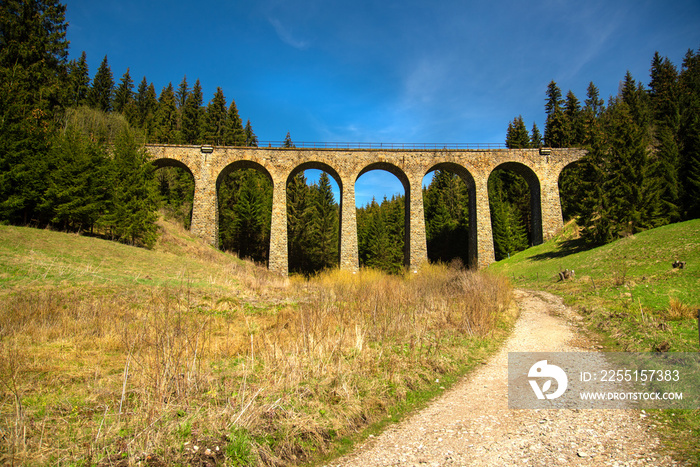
(471, 424)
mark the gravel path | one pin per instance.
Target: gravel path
(472, 425)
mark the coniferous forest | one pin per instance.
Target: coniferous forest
(72, 158)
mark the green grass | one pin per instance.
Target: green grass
(631, 297)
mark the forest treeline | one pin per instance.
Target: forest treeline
(642, 169)
(72, 157)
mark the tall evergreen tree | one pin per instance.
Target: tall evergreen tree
(446, 210)
(689, 135)
(33, 60)
(215, 119)
(78, 184)
(193, 116)
(664, 101)
(324, 229)
(79, 81)
(288, 141)
(124, 94)
(517, 136)
(535, 137)
(183, 90)
(250, 139)
(234, 134)
(555, 126)
(102, 90)
(165, 118)
(299, 215)
(131, 211)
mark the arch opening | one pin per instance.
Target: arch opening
(244, 207)
(449, 206)
(383, 227)
(570, 196)
(516, 210)
(175, 184)
(314, 206)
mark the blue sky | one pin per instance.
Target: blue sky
(384, 71)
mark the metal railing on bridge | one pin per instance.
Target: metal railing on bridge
(408, 146)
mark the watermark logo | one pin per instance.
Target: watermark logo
(542, 370)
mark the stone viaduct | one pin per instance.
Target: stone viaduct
(209, 165)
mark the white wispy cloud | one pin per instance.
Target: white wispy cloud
(286, 35)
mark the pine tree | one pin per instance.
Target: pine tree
(102, 90)
(288, 141)
(215, 119)
(183, 91)
(33, 61)
(79, 81)
(535, 137)
(447, 218)
(555, 126)
(234, 134)
(509, 231)
(165, 118)
(324, 228)
(664, 102)
(689, 135)
(124, 94)
(131, 211)
(77, 187)
(250, 139)
(574, 127)
(193, 116)
(516, 135)
(298, 223)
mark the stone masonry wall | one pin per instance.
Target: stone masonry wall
(346, 165)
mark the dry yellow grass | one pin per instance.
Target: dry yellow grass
(267, 371)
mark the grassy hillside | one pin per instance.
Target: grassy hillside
(630, 296)
(111, 354)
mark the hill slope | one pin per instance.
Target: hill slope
(126, 355)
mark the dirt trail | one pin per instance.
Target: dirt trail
(472, 425)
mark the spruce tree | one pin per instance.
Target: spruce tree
(33, 60)
(131, 211)
(234, 134)
(215, 119)
(299, 223)
(77, 187)
(193, 116)
(79, 81)
(535, 137)
(102, 90)
(124, 94)
(183, 91)
(250, 139)
(689, 135)
(555, 131)
(165, 118)
(324, 228)
(517, 136)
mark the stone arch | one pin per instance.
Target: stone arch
(167, 162)
(318, 166)
(533, 183)
(164, 163)
(566, 174)
(403, 178)
(468, 179)
(241, 164)
(322, 166)
(228, 169)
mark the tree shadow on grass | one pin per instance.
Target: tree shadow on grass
(566, 248)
